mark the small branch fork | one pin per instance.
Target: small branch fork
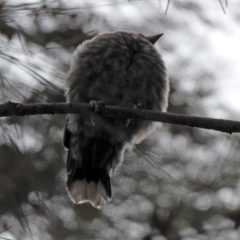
(17, 109)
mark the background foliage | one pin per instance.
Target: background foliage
(193, 192)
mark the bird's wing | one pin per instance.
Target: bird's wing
(66, 136)
(71, 163)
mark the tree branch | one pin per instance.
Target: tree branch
(18, 109)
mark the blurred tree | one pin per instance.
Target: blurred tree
(193, 193)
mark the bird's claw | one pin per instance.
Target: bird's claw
(97, 106)
(133, 106)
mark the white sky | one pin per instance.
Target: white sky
(214, 48)
(221, 53)
(219, 48)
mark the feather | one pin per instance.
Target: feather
(120, 68)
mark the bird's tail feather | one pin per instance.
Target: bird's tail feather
(89, 185)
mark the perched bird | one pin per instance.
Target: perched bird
(120, 68)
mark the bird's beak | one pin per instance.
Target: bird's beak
(153, 39)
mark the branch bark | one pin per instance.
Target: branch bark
(18, 109)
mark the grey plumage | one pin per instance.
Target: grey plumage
(120, 68)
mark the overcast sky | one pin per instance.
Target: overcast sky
(215, 48)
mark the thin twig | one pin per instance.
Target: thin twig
(222, 7)
(167, 7)
(18, 109)
(163, 172)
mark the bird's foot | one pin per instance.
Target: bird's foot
(133, 106)
(97, 106)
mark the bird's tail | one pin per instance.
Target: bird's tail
(89, 185)
(90, 163)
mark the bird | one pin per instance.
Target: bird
(119, 68)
